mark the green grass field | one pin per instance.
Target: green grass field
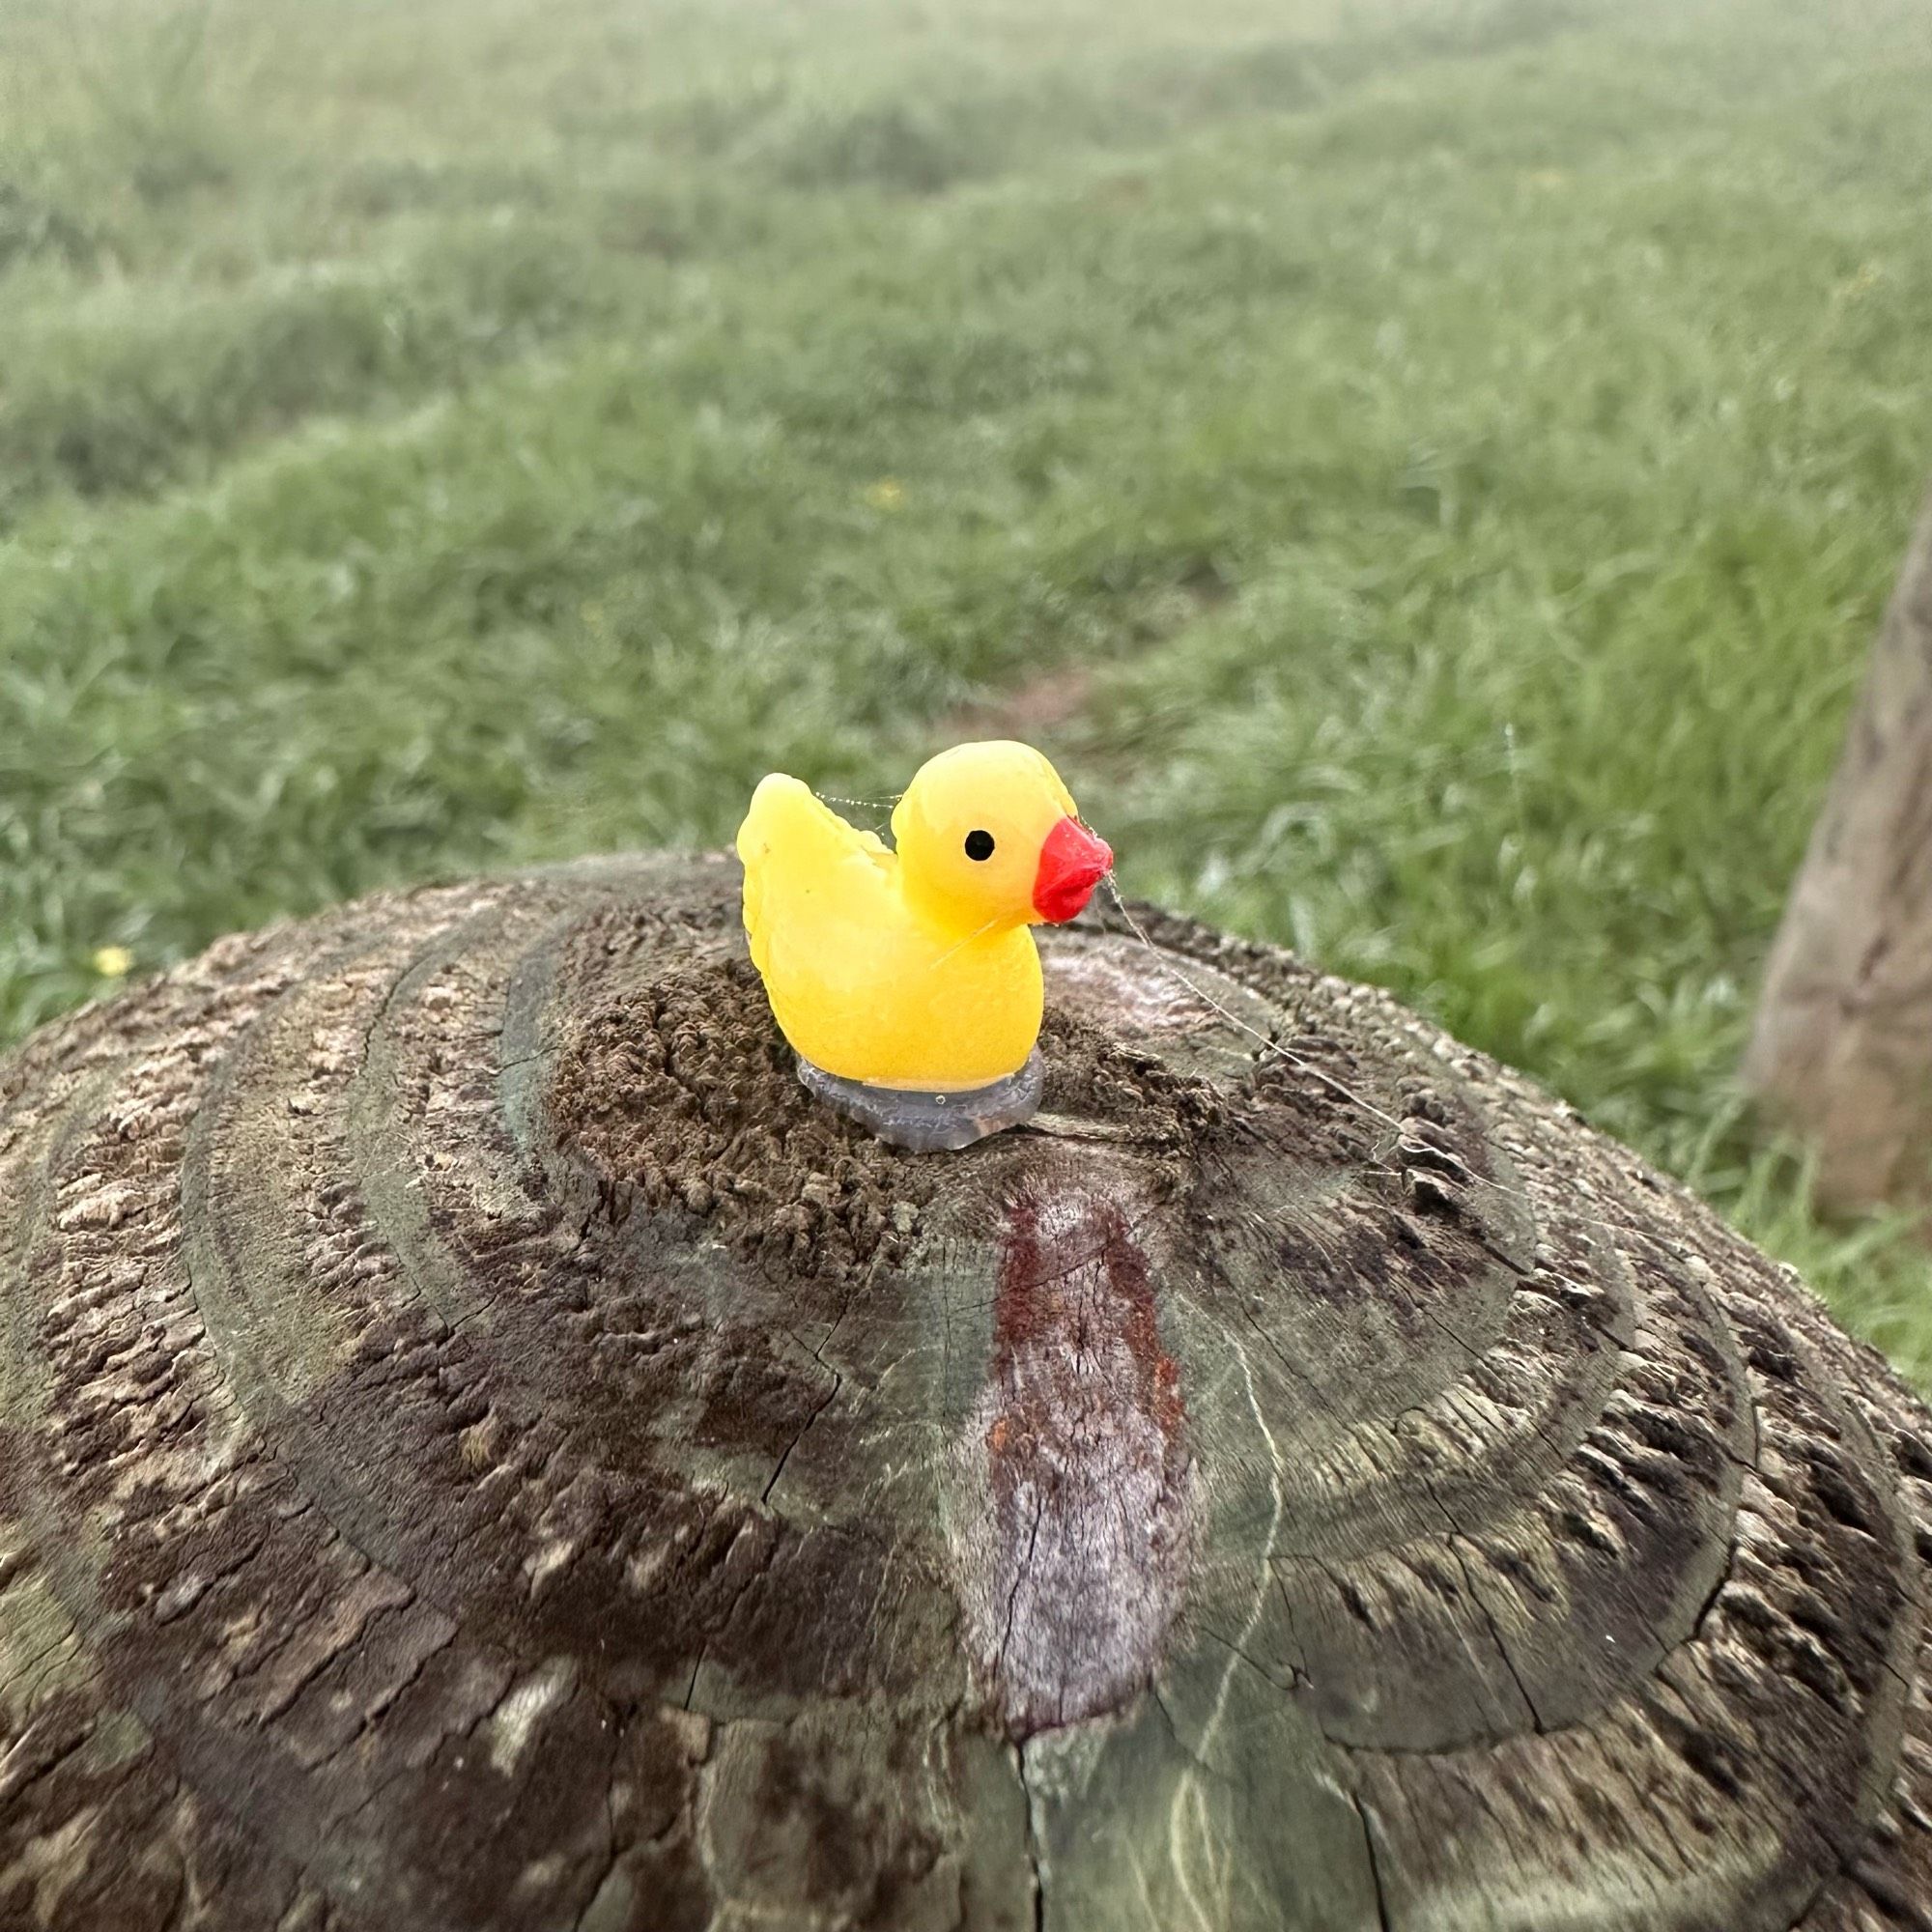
(1428, 469)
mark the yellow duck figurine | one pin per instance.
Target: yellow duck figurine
(913, 969)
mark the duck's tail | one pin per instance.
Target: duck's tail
(790, 838)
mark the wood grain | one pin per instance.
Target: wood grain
(1841, 1047)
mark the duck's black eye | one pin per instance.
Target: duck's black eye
(979, 844)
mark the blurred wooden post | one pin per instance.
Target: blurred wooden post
(1842, 1046)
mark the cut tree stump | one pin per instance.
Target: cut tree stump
(482, 1450)
(1841, 1051)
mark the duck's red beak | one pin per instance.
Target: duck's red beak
(1071, 864)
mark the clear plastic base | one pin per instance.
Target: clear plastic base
(931, 1123)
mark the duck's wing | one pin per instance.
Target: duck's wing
(805, 866)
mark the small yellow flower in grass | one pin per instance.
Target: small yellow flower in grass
(887, 493)
(113, 962)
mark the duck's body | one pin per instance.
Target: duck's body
(915, 967)
(861, 982)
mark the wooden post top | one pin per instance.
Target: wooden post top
(480, 1448)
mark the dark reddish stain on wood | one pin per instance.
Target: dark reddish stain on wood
(1033, 1308)
(1076, 1544)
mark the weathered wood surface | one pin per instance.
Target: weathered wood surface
(1841, 1050)
(481, 1451)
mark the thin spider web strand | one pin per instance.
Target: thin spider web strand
(885, 804)
(1272, 1044)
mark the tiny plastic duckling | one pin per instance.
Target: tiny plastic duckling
(907, 979)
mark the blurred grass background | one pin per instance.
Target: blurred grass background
(1428, 469)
